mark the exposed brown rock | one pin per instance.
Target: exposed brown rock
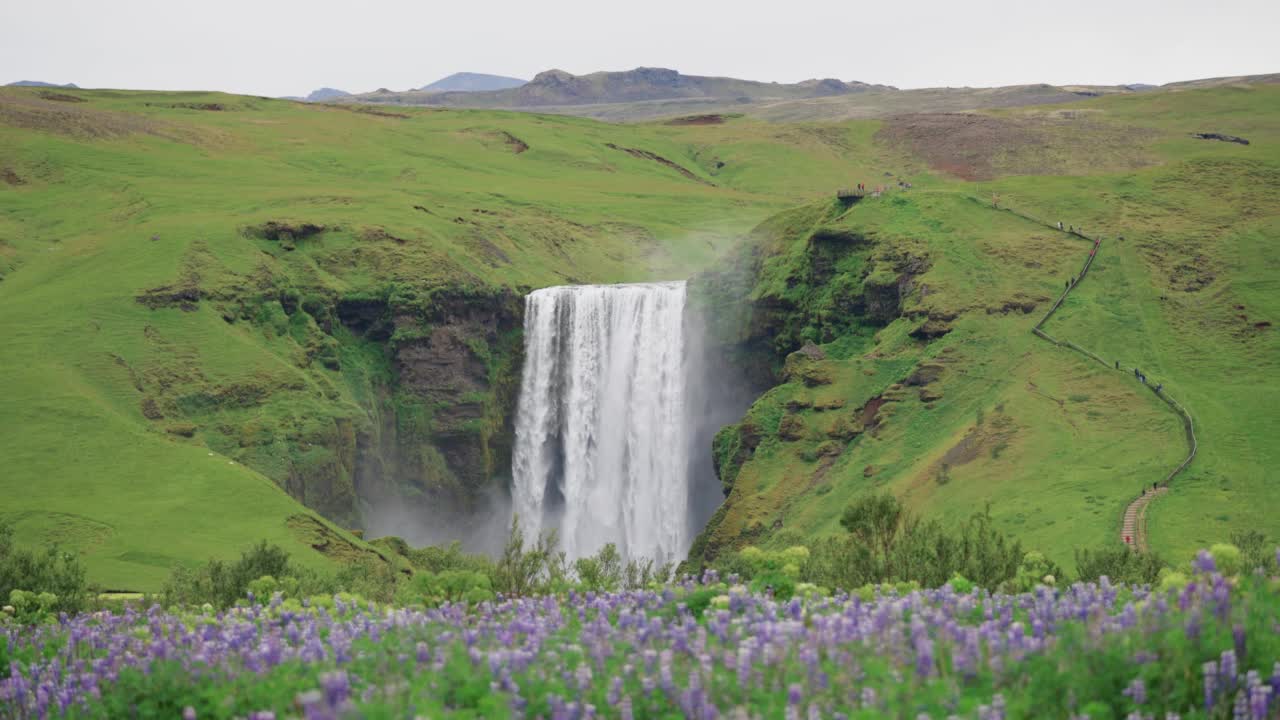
(791, 428)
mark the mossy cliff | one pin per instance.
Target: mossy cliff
(441, 430)
(395, 395)
(807, 292)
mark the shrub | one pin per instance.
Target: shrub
(31, 607)
(1032, 571)
(601, 572)
(1254, 549)
(264, 570)
(959, 584)
(699, 600)
(1120, 564)
(1227, 558)
(372, 579)
(438, 558)
(51, 571)
(887, 544)
(538, 569)
(641, 573)
(432, 589)
(782, 585)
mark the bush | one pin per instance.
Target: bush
(1120, 564)
(52, 571)
(263, 569)
(1255, 550)
(640, 574)
(699, 600)
(432, 589)
(960, 585)
(31, 607)
(372, 579)
(752, 562)
(887, 544)
(438, 558)
(1034, 570)
(601, 572)
(1227, 558)
(782, 585)
(538, 569)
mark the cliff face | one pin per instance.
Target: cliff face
(442, 428)
(400, 397)
(807, 292)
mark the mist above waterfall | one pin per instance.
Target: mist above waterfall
(604, 425)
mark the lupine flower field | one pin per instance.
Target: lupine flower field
(1206, 648)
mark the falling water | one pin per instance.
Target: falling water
(602, 443)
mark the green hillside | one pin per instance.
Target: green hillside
(955, 405)
(225, 314)
(183, 277)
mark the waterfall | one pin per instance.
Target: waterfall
(602, 441)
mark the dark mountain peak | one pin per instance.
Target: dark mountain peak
(832, 86)
(652, 75)
(553, 76)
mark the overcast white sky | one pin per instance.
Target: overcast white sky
(290, 47)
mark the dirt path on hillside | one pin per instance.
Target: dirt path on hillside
(1133, 526)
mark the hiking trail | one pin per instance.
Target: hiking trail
(1133, 525)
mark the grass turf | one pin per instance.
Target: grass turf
(129, 192)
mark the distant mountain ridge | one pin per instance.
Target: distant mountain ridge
(557, 87)
(655, 93)
(326, 93)
(473, 82)
(41, 83)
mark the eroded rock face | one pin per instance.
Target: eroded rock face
(883, 299)
(885, 289)
(444, 428)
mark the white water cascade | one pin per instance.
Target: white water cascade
(602, 440)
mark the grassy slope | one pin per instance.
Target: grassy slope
(131, 191)
(1061, 444)
(1211, 215)
(1054, 444)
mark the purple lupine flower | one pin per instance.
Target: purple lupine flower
(1137, 692)
(1204, 563)
(1240, 709)
(868, 697)
(336, 687)
(1238, 639)
(1210, 672)
(1228, 668)
(1259, 702)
